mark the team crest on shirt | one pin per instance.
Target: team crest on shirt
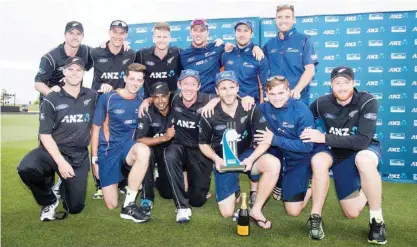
(170, 60)
(262, 120)
(199, 110)
(103, 60)
(125, 61)
(140, 126)
(119, 111)
(61, 107)
(328, 115)
(353, 113)
(207, 54)
(231, 62)
(150, 63)
(292, 50)
(156, 125)
(86, 102)
(242, 119)
(247, 49)
(248, 65)
(287, 125)
(41, 71)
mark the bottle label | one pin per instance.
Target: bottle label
(243, 230)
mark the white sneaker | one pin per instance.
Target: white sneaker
(183, 215)
(55, 188)
(48, 212)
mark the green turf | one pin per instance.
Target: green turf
(98, 226)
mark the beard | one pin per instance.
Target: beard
(343, 97)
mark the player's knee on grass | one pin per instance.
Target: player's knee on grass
(198, 199)
(349, 205)
(76, 208)
(227, 206)
(366, 161)
(321, 162)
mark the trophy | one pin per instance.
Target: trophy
(229, 139)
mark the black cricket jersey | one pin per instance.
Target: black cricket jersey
(246, 124)
(350, 128)
(187, 120)
(68, 119)
(166, 70)
(153, 124)
(52, 64)
(110, 68)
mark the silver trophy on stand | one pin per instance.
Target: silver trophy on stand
(230, 138)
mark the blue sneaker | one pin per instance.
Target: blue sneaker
(146, 206)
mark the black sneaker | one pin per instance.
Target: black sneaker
(315, 227)
(133, 212)
(377, 234)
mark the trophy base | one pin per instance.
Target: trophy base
(232, 168)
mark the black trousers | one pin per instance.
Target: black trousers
(162, 183)
(177, 157)
(37, 171)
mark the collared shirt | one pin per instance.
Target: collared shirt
(52, 64)
(350, 128)
(154, 124)
(246, 123)
(67, 119)
(251, 74)
(110, 68)
(186, 120)
(207, 61)
(166, 69)
(118, 118)
(288, 57)
(287, 124)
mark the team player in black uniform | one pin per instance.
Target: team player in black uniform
(110, 64)
(156, 130)
(255, 159)
(350, 118)
(184, 152)
(65, 122)
(161, 60)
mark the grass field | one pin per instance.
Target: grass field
(98, 226)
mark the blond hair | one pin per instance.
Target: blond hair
(162, 26)
(135, 67)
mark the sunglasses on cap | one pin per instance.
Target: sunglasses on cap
(286, 6)
(277, 77)
(119, 23)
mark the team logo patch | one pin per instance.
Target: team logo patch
(125, 61)
(150, 63)
(189, 60)
(170, 60)
(61, 107)
(330, 116)
(103, 60)
(199, 110)
(119, 111)
(41, 71)
(353, 113)
(220, 127)
(156, 125)
(140, 126)
(248, 65)
(370, 116)
(42, 116)
(86, 102)
(262, 120)
(242, 120)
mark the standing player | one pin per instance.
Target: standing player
(291, 54)
(256, 161)
(289, 118)
(204, 57)
(114, 147)
(162, 61)
(156, 131)
(350, 119)
(251, 74)
(183, 151)
(64, 132)
(110, 64)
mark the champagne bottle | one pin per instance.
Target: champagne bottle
(243, 220)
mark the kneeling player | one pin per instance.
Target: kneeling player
(350, 118)
(114, 146)
(289, 118)
(64, 132)
(258, 163)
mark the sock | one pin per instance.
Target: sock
(377, 214)
(130, 196)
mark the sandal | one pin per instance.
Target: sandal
(265, 223)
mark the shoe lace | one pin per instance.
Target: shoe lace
(46, 209)
(315, 223)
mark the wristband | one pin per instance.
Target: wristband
(94, 159)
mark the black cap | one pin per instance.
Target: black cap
(75, 60)
(160, 87)
(74, 25)
(342, 71)
(120, 24)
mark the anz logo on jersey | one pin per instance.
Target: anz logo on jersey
(76, 118)
(186, 124)
(343, 131)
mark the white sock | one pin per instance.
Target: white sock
(377, 214)
(130, 196)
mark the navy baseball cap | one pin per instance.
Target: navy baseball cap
(343, 72)
(245, 22)
(226, 75)
(120, 24)
(75, 60)
(200, 22)
(74, 25)
(160, 87)
(189, 73)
